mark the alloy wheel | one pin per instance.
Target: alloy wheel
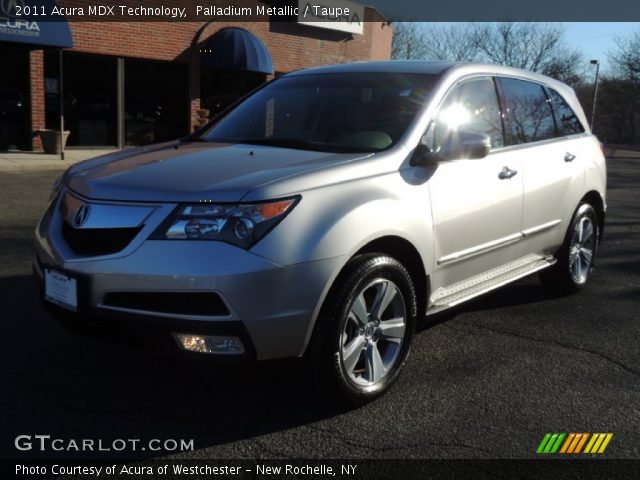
(581, 250)
(373, 332)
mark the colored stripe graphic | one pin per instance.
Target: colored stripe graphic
(605, 443)
(543, 443)
(576, 439)
(573, 443)
(567, 442)
(556, 446)
(581, 443)
(551, 443)
(598, 442)
(591, 443)
(596, 446)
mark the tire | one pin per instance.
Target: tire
(359, 345)
(575, 258)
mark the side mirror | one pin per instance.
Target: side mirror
(456, 146)
(424, 157)
(465, 145)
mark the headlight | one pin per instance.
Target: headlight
(242, 225)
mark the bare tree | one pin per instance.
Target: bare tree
(454, 42)
(538, 47)
(625, 59)
(618, 120)
(408, 41)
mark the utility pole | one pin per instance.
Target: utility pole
(61, 99)
(595, 91)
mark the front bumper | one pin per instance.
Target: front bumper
(271, 307)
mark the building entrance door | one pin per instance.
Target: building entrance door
(15, 115)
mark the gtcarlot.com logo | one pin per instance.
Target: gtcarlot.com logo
(574, 443)
(44, 443)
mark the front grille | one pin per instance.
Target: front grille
(97, 241)
(181, 303)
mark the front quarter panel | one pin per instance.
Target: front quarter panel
(341, 218)
(336, 221)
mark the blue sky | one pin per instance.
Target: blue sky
(596, 39)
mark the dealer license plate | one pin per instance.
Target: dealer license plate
(61, 289)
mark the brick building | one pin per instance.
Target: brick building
(133, 83)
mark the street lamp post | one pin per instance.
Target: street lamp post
(595, 91)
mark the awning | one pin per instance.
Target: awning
(236, 49)
(33, 30)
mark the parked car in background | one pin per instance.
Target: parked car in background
(329, 211)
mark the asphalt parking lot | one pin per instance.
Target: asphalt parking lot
(487, 381)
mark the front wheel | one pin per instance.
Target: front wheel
(364, 332)
(577, 253)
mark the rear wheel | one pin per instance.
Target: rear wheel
(575, 257)
(364, 333)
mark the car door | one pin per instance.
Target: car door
(550, 151)
(476, 204)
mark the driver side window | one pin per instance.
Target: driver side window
(471, 106)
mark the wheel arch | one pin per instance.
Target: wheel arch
(407, 254)
(596, 201)
(397, 247)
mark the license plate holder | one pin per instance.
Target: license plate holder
(61, 289)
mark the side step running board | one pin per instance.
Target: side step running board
(457, 293)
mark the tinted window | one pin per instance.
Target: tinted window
(472, 107)
(357, 112)
(566, 119)
(529, 117)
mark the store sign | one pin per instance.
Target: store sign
(340, 15)
(11, 25)
(18, 25)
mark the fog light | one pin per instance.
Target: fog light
(210, 344)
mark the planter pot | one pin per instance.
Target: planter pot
(51, 140)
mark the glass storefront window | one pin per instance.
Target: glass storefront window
(156, 105)
(90, 98)
(156, 102)
(14, 98)
(219, 89)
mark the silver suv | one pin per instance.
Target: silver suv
(326, 212)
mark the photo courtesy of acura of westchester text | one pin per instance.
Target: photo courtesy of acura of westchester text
(319, 238)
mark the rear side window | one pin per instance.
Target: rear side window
(529, 117)
(566, 119)
(472, 106)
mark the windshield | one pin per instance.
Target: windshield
(338, 112)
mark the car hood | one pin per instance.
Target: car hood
(193, 172)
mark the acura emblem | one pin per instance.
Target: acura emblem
(8, 7)
(80, 218)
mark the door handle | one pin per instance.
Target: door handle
(568, 157)
(506, 172)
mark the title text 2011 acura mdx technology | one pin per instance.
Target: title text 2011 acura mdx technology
(327, 211)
